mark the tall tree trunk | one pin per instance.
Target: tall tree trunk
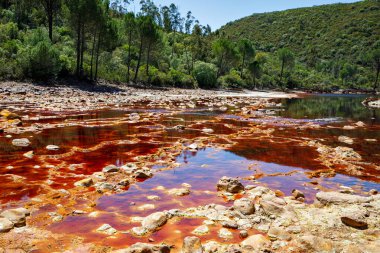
(138, 60)
(82, 51)
(242, 66)
(129, 53)
(50, 20)
(78, 47)
(148, 60)
(377, 77)
(282, 72)
(254, 80)
(187, 61)
(220, 65)
(92, 54)
(97, 56)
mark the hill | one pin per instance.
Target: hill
(337, 31)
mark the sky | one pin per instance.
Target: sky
(217, 13)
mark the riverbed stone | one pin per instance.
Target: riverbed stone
(201, 230)
(106, 229)
(87, 182)
(145, 248)
(257, 242)
(346, 139)
(355, 219)
(23, 142)
(225, 233)
(143, 173)
(347, 153)
(110, 169)
(192, 244)
(231, 185)
(245, 206)
(29, 154)
(5, 225)
(297, 194)
(52, 147)
(154, 221)
(341, 198)
(179, 191)
(16, 216)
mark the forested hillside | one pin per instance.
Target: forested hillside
(324, 38)
(325, 47)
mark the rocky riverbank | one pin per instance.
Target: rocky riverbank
(238, 217)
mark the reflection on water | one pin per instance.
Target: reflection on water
(347, 107)
(108, 137)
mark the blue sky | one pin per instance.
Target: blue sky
(218, 12)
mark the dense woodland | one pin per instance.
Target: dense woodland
(323, 48)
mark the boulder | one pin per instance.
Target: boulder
(225, 233)
(52, 147)
(297, 194)
(24, 142)
(347, 154)
(192, 244)
(355, 219)
(154, 221)
(9, 115)
(143, 173)
(29, 154)
(106, 229)
(134, 116)
(346, 139)
(340, 198)
(110, 169)
(257, 242)
(271, 207)
(16, 216)
(87, 182)
(5, 225)
(145, 248)
(201, 230)
(179, 192)
(231, 185)
(245, 206)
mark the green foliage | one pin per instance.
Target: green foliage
(205, 74)
(40, 59)
(231, 80)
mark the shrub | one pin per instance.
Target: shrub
(205, 74)
(231, 80)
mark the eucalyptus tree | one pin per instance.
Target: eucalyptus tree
(255, 67)
(51, 7)
(247, 51)
(286, 58)
(130, 25)
(374, 59)
(165, 17)
(189, 22)
(148, 34)
(225, 53)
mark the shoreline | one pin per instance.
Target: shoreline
(271, 220)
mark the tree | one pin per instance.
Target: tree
(286, 58)
(148, 36)
(374, 58)
(51, 8)
(255, 67)
(347, 73)
(151, 34)
(130, 24)
(225, 53)
(189, 22)
(247, 51)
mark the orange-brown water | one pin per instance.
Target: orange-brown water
(96, 139)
